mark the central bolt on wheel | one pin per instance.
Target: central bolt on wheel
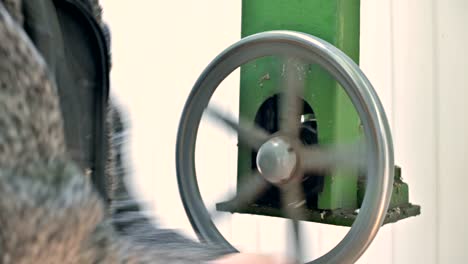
(276, 160)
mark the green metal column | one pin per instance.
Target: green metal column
(336, 21)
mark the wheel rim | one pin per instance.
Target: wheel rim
(364, 98)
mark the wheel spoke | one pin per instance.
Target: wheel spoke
(291, 103)
(293, 203)
(248, 191)
(248, 133)
(298, 252)
(321, 159)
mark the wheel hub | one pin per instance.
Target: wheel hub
(276, 160)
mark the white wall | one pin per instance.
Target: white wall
(414, 52)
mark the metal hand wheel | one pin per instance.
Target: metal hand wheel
(281, 159)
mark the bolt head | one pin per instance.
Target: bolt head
(276, 160)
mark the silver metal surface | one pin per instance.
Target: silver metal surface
(276, 160)
(379, 152)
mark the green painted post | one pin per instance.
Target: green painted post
(336, 21)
